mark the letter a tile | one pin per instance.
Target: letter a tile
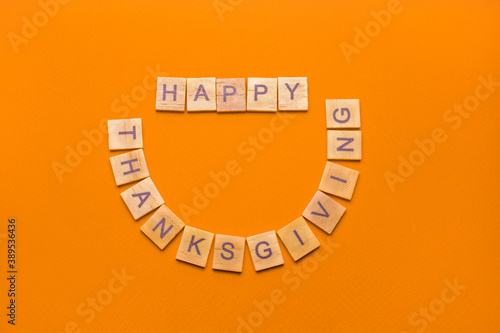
(171, 94)
(125, 133)
(142, 198)
(195, 246)
(342, 113)
(129, 167)
(338, 180)
(162, 227)
(201, 94)
(228, 253)
(324, 212)
(298, 238)
(265, 250)
(344, 145)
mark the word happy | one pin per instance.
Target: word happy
(232, 95)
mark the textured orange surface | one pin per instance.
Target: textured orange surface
(395, 253)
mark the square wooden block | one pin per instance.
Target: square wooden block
(142, 198)
(292, 94)
(228, 253)
(339, 180)
(231, 95)
(171, 94)
(324, 212)
(342, 113)
(125, 133)
(162, 227)
(298, 238)
(344, 145)
(262, 94)
(129, 167)
(201, 94)
(265, 250)
(195, 246)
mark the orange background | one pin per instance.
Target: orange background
(395, 249)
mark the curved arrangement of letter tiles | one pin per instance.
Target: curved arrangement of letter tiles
(231, 95)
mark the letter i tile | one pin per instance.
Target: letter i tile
(298, 238)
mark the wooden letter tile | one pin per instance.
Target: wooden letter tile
(125, 133)
(142, 198)
(195, 246)
(262, 94)
(342, 113)
(129, 167)
(171, 94)
(339, 180)
(162, 227)
(298, 238)
(265, 250)
(231, 95)
(324, 212)
(344, 145)
(228, 253)
(292, 94)
(201, 94)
